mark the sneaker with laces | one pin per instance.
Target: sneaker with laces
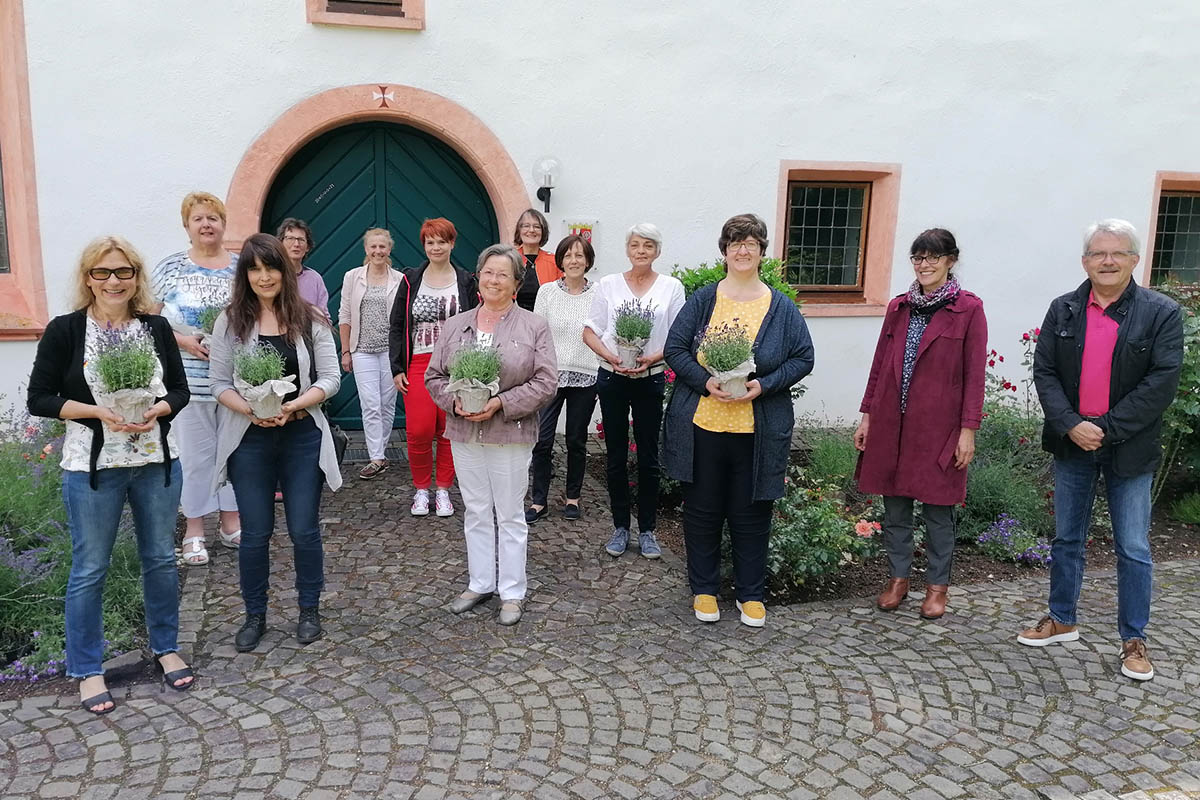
(442, 504)
(1134, 661)
(619, 541)
(705, 606)
(420, 504)
(754, 613)
(649, 545)
(1048, 631)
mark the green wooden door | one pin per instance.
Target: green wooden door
(377, 175)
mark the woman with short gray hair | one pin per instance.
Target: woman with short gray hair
(636, 391)
(492, 448)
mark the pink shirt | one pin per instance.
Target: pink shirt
(1096, 370)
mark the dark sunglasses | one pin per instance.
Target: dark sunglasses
(103, 273)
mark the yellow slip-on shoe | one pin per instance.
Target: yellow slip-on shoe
(705, 606)
(754, 613)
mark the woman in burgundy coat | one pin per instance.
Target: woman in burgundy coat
(922, 406)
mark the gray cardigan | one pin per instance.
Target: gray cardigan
(783, 355)
(231, 426)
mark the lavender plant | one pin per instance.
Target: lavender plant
(634, 321)
(475, 362)
(207, 318)
(726, 347)
(125, 358)
(258, 364)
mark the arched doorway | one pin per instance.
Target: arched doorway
(377, 175)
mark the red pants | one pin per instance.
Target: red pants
(423, 421)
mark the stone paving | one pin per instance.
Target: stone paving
(610, 688)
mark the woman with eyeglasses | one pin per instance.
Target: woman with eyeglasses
(109, 461)
(297, 240)
(192, 286)
(922, 406)
(532, 232)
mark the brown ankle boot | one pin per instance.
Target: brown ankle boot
(897, 590)
(935, 601)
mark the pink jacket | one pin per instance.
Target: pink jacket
(528, 376)
(354, 288)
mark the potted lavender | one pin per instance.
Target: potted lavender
(126, 366)
(728, 354)
(632, 327)
(259, 379)
(475, 376)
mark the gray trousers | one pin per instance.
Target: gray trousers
(898, 538)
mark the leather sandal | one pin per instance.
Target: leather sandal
(198, 555)
(231, 540)
(98, 700)
(169, 678)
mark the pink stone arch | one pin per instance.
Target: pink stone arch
(309, 118)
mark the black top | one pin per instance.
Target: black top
(527, 292)
(400, 331)
(291, 362)
(58, 377)
(1146, 363)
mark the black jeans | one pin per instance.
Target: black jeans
(721, 491)
(580, 401)
(643, 397)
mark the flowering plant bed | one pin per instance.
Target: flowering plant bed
(35, 560)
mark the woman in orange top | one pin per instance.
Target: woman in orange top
(531, 233)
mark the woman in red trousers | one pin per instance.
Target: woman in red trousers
(923, 404)
(438, 291)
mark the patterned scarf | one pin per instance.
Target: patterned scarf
(923, 307)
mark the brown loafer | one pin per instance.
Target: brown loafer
(896, 591)
(935, 601)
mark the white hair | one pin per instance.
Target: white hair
(1117, 227)
(646, 230)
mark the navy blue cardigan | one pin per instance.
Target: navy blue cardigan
(58, 377)
(783, 355)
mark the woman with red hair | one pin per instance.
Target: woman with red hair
(439, 290)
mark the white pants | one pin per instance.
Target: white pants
(376, 398)
(196, 432)
(494, 477)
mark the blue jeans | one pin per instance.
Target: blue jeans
(93, 516)
(620, 397)
(286, 457)
(1129, 505)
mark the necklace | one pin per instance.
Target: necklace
(492, 317)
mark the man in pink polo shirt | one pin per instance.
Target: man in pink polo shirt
(1106, 368)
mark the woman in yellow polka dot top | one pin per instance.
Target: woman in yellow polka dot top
(731, 454)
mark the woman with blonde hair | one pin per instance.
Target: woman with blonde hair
(108, 460)
(364, 319)
(192, 286)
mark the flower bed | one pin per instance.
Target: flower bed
(35, 558)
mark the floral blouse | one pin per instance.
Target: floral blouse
(119, 449)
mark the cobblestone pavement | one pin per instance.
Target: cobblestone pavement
(610, 688)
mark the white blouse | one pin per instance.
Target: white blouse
(664, 297)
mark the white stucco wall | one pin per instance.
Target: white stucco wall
(1015, 124)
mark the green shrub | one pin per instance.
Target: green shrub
(811, 537)
(475, 362)
(770, 271)
(1180, 438)
(832, 456)
(1187, 508)
(258, 364)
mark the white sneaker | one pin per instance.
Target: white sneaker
(420, 506)
(441, 502)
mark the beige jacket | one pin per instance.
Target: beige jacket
(354, 288)
(528, 376)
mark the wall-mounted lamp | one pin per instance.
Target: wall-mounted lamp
(547, 171)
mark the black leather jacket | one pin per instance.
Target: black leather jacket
(1145, 374)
